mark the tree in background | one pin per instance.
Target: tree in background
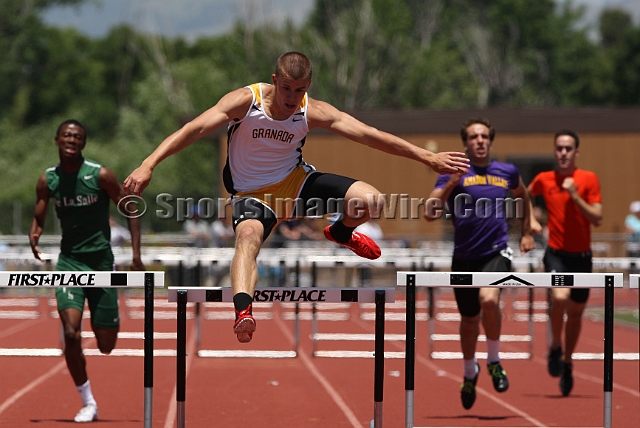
(621, 43)
(22, 34)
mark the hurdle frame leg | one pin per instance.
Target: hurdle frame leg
(148, 348)
(314, 320)
(378, 387)
(197, 274)
(296, 322)
(409, 361)
(181, 358)
(608, 350)
(531, 327)
(432, 319)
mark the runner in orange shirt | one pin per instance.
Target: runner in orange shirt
(573, 201)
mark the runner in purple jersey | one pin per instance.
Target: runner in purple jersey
(478, 208)
(477, 202)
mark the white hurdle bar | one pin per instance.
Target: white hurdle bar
(182, 295)
(634, 279)
(411, 280)
(102, 279)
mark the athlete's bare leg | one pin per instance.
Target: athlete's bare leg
(76, 363)
(491, 315)
(244, 268)
(361, 203)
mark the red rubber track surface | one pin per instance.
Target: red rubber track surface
(310, 391)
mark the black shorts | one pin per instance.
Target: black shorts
(468, 299)
(322, 193)
(561, 261)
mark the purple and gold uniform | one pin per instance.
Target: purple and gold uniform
(478, 208)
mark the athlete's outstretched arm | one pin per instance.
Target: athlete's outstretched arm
(233, 105)
(324, 115)
(111, 185)
(39, 215)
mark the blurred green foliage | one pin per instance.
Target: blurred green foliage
(131, 90)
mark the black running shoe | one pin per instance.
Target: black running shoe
(554, 361)
(468, 390)
(499, 377)
(566, 381)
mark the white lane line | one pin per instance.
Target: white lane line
(133, 335)
(19, 315)
(483, 338)
(483, 392)
(355, 336)
(31, 386)
(90, 352)
(29, 301)
(357, 354)
(441, 372)
(594, 379)
(628, 356)
(245, 354)
(335, 396)
(19, 327)
(599, 381)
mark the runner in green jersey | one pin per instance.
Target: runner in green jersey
(81, 190)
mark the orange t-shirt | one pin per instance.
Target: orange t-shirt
(569, 230)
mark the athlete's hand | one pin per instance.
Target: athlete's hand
(33, 241)
(569, 185)
(449, 163)
(138, 180)
(454, 179)
(535, 227)
(136, 264)
(527, 243)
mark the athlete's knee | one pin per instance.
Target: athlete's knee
(106, 338)
(559, 303)
(249, 233)
(363, 201)
(375, 204)
(469, 324)
(72, 336)
(574, 311)
(106, 348)
(490, 307)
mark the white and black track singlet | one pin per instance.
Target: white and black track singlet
(263, 151)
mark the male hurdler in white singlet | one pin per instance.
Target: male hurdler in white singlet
(267, 127)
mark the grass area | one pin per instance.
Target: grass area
(627, 316)
(624, 316)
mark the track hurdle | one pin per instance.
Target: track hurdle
(102, 279)
(408, 260)
(526, 263)
(271, 260)
(634, 279)
(411, 280)
(182, 295)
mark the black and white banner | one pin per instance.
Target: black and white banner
(282, 294)
(511, 279)
(78, 279)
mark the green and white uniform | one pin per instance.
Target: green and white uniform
(83, 209)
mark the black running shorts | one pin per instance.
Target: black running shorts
(468, 298)
(561, 261)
